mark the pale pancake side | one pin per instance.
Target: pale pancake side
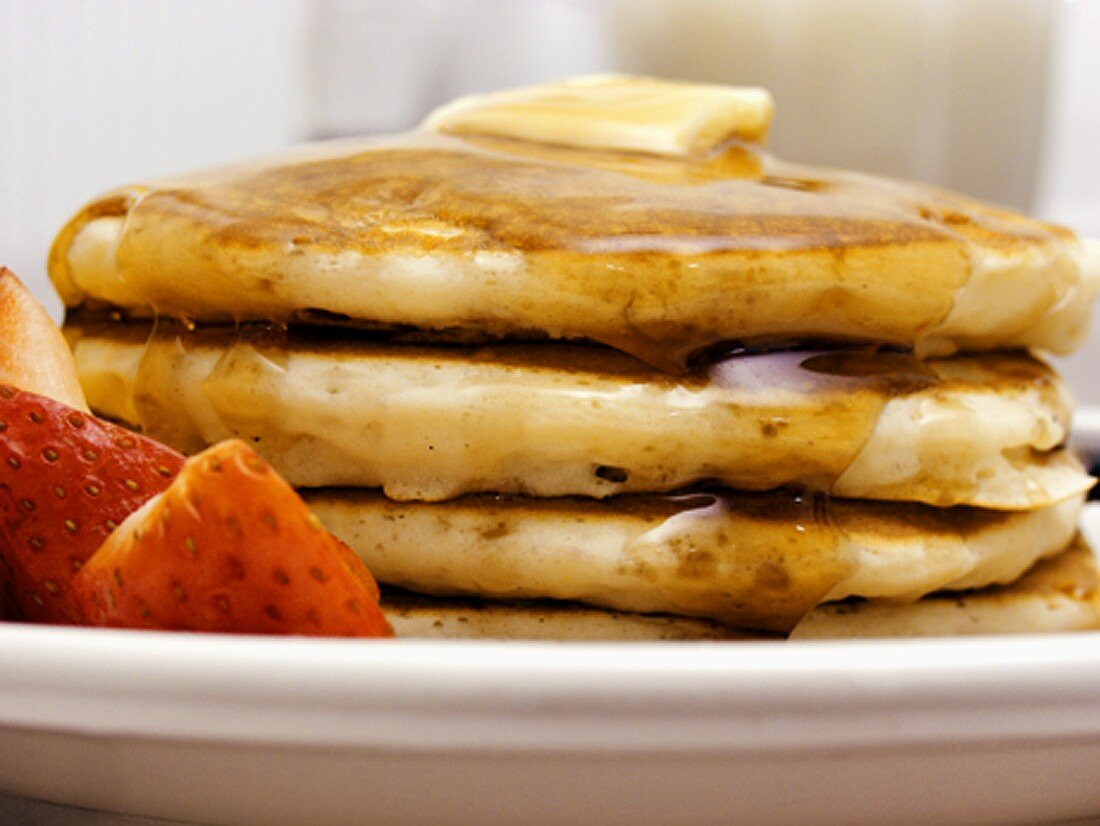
(745, 560)
(660, 257)
(1059, 594)
(417, 616)
(432, 423)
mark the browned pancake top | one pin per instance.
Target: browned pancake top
(514, 195)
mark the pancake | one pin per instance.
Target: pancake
(660, 253)
(581, 343)
(414, 616)
(429, 422)
(1057, 595)
(759, 561)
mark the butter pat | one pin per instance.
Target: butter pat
(614, 112)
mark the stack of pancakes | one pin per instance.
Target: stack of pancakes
(584, 361)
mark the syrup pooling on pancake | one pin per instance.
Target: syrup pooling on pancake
(746, 560)
(431, 422)
(699, 564)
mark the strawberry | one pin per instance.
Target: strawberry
(9, 609)
(33, 352)
(66, 480)
(229, 547)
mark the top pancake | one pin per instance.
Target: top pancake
(661, 256)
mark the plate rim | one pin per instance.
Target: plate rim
(706, 696)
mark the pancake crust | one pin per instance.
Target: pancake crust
(760, 561)
(430, 422)
(1058, 594)
(660, 257)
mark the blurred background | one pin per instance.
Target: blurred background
(999, 99)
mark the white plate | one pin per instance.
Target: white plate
(1086, 432)
(240, 729)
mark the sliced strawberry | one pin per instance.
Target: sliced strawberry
(67, 480)
(229, 547)
(33, 352)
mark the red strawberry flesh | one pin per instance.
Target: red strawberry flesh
(229, 547)
(67, 480)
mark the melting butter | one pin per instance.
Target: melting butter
(615, 112)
